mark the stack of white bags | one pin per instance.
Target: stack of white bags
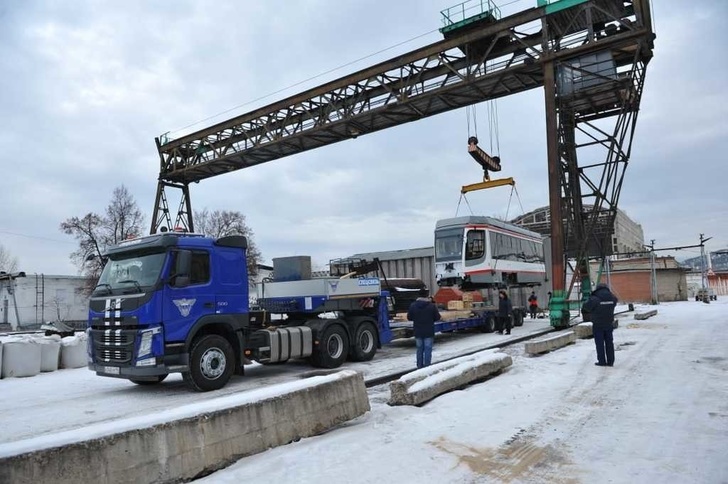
(31, 354)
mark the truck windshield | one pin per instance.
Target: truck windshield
(448, 244)
(132, 273)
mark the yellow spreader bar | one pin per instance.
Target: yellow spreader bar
(487, 184)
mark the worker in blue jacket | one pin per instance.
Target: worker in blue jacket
(600, 309)
(423, 313)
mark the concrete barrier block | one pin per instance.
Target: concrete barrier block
(187, 441)
(584, 330)
(645, 314)
(427, 383)
(551, 343)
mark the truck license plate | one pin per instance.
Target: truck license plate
(111, 370)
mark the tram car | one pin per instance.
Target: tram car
(477, 252)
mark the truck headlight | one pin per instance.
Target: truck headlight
(145, 343)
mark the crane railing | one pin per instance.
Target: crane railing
(468, 12)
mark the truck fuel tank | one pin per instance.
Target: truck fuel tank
(282, 344)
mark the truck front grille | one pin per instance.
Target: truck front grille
(113, 346)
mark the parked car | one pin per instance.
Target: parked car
(705, 295)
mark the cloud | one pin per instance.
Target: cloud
(88, 85)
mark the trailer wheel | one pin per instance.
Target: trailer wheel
(365, 342)
(517, 318)
(489, 325)
(150, 381)
(212, 362)
(332, 349)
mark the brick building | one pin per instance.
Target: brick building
(630, 279)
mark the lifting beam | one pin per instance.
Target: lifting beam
(487, 184)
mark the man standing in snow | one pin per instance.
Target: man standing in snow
(505, 308)
(600, 308)
(423, 313)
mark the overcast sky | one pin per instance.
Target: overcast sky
(86, 86)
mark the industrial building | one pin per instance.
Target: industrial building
(627, 236)
(27, 301)
(631, 279)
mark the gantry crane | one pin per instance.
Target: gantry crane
(590, 56)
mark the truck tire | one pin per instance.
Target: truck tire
(489, 325)
(333, 348)
(151, 381)
(212, 363)
(518, 318)
(364, 346)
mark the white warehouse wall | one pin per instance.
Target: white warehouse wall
(40, 298)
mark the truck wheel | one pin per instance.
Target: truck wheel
(211, 363)
(518, 318)
(151, 381)
(365, 342)
(489, 325)
(332, 349)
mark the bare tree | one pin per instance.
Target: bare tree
(8, 263)
(95, 233)
(123, 218)
(220, 223)
(88, 232)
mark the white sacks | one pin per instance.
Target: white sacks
(73, 351)
(21, 357)
(50, 352)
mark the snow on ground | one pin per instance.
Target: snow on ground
(65, 400)
(660, 415)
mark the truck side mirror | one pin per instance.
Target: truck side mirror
(180, 276)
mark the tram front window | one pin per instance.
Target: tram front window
(448, 245)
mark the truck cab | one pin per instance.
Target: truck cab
(156, 295)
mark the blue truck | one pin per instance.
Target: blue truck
(178, 302)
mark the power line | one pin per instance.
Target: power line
(317, 76)
(35, 237)
(303, 81)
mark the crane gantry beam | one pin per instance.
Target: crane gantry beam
(589, 55)
(498, 59)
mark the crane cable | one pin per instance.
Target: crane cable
(518, 197)
(493, 128)
(463, 197)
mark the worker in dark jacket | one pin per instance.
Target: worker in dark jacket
(504, 312)
(600, 308)
(423, 313)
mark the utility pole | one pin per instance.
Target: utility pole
(653, 274)
(703, 240)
